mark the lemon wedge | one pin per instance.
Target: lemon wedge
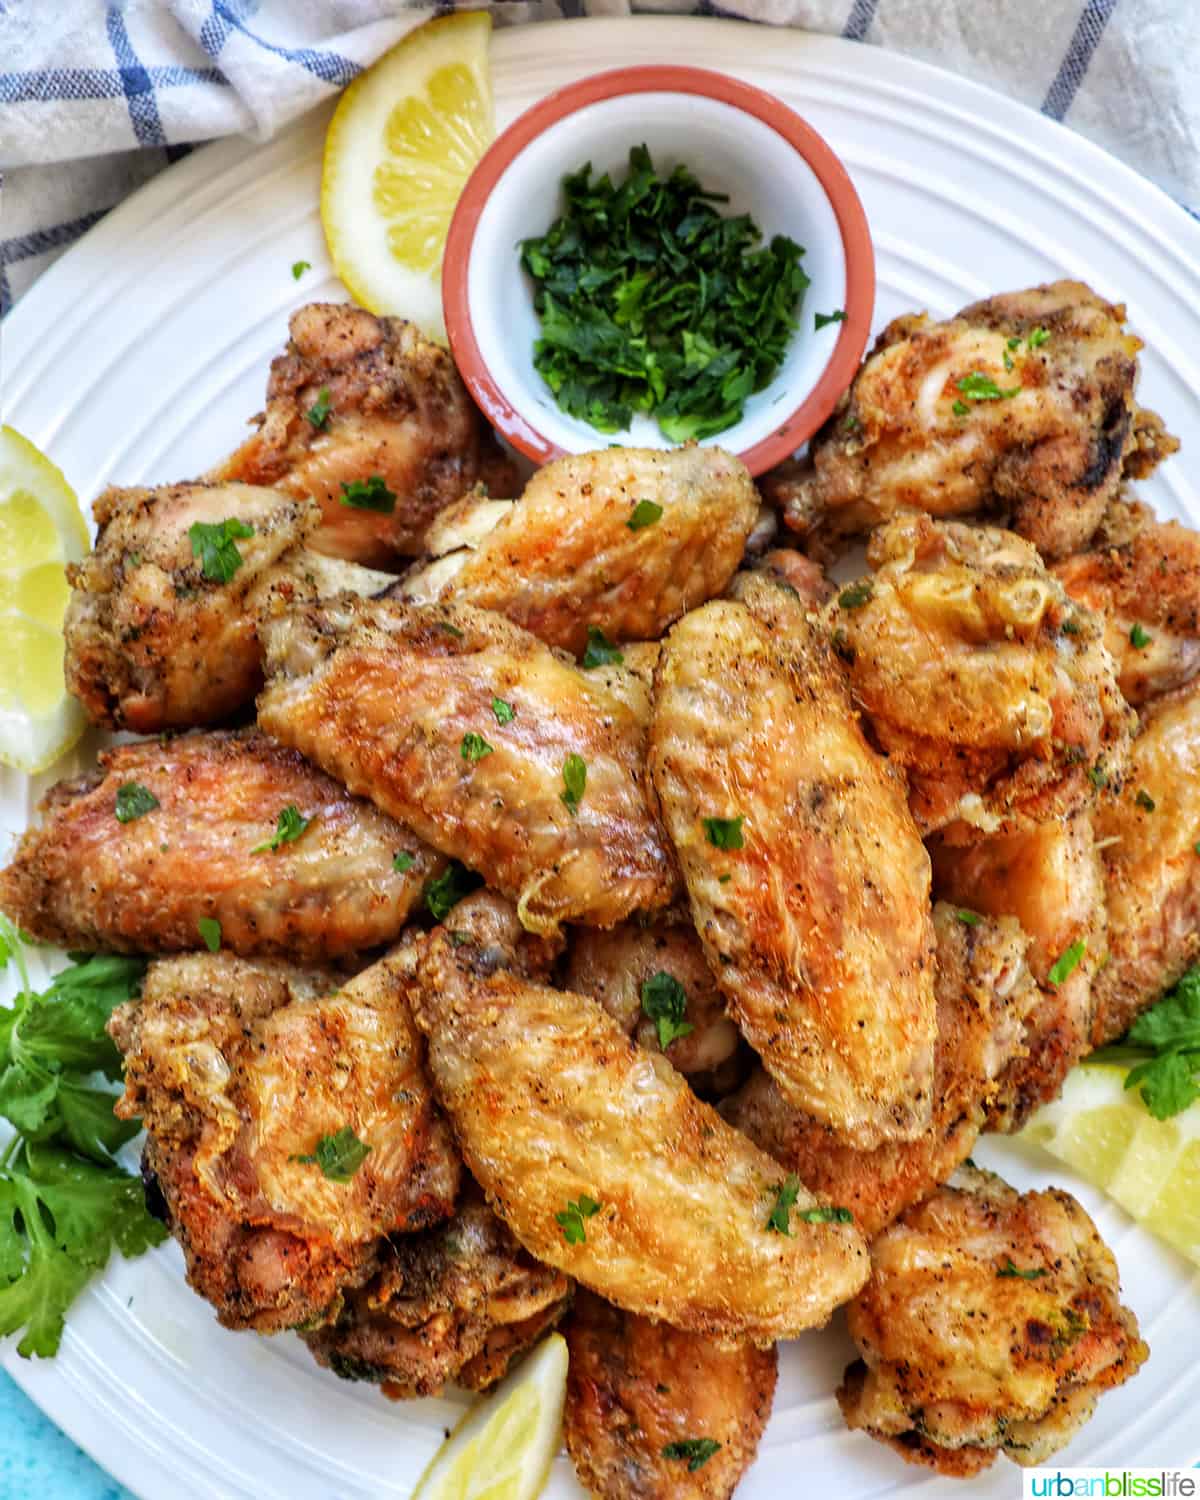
(402, 143)
(40, 530)
(1150, 1167)
(503, 1447)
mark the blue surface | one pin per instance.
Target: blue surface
(36, 1459)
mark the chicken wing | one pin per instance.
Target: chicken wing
(1021, 405)
(604, 1164)
(1148, 836)
(984, 994)
(101, 874)
(804, 577)
(491, 746)
(808, 883)
(456, 1302)
(653, 1413)
(1050, 879)
(624, 540)
(980, 677)
(355, 396)
(992, 1322)
(290, 1125)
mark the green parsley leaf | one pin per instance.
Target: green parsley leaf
(980, 387)
(1138, 638)
(1008, 1269)
(1164, 1045)
(298, 269)
(574, 774)
(664, 1001)
(645, 513)
(1098, 776)
(216, 547)
(829, 1213)
(318, 412)
(1008, 360)
(856, 595)
(474, 747)
(1038, 337)
(134, 801)
(403, 861)
(1013, 343)
(822, 320)
(370, 494)
(600, 650)
(851, 424)
(570, 1221)
(697, 1451)
(1070, 627)
(777, 1219)
(1066, 963)
(1144, 800)
(339, 1156)
(960, 408)
(968, 918)
(288, 828)
(724, 833)
(450, 629)
(505, 712)
(443, 893)
(210, 931)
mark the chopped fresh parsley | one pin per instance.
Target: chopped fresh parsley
(1144, 800)
(1008, 360)
(856, 595)
(822, 320)
(960, 408)
(1139, 638)
(210, 930)
(403, 861)
(1070, 627)
(474, 747)
(600, 650)
(851, 424)
(1038, 337)
(288, 828)
(724, 833)
(651, 301)
(697, 1451)
(1014, 343)
(1098, 776)
(216, 547)
(134, 801)
(1163, 1045)
(318, 412)
(570, 1221)
(574, 774)
(339, 1156)
(968, 918)
(450, 629)
(785, 1201)
(298, 269)
(505, 712)
(980, 387)
(444, 893)
(1008, 1269)
(830, 1213)
(664, 1001)
(645, 513)
(369, 494)
(1066, 963)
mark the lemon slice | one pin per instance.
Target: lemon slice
(402, 143)
(1150, 1167)
(503, 1447)
(40, 530)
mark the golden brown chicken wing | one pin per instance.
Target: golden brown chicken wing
(132, 857)
(980, 676)
(984, 994)
(456, 1302)
(290, 1125)
(991, 1323)
(653, 1413)
(624, 540)
(356, 397)
(1021, 405)
(808, 883)
(493, 747)
(1148, 836)
(604, 1164)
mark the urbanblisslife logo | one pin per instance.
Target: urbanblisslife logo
(1111, 1484)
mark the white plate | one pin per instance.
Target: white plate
(139, 356)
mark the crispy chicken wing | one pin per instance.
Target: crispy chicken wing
(456, 1302)
(804, 577)
(242, 1073)
(641, 1396)
(625, 540)
(991, 1323)
(979, 676)
(808, 883)
(543, 794)
(86, 879)
(1050, 879)
(604, 1164)
(984, 993)
(1021, 405)
(1147, 836)
(394, 406)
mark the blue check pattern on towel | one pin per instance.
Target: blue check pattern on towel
(95, 97)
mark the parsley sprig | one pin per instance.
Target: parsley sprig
(697, 1451)
(664, 1001)
(570, 1220)
(216, 547)
(288, 827)
(1163, 1045)
(339, 1155)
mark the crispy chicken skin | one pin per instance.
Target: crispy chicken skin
(240, 1069)
(384, 695)
(1147, 590)
(1147, 836)
(1051, 880)
(1045, 443)
(979, 676)
(964, 1357)
(635, 1387)
(818, 927)
(804, 577)
(984, 991)
(455, 1302)
(397, 408)
(552, 1105)
(85, 880)
(575, 551)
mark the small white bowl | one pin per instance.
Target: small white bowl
(737, 140)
